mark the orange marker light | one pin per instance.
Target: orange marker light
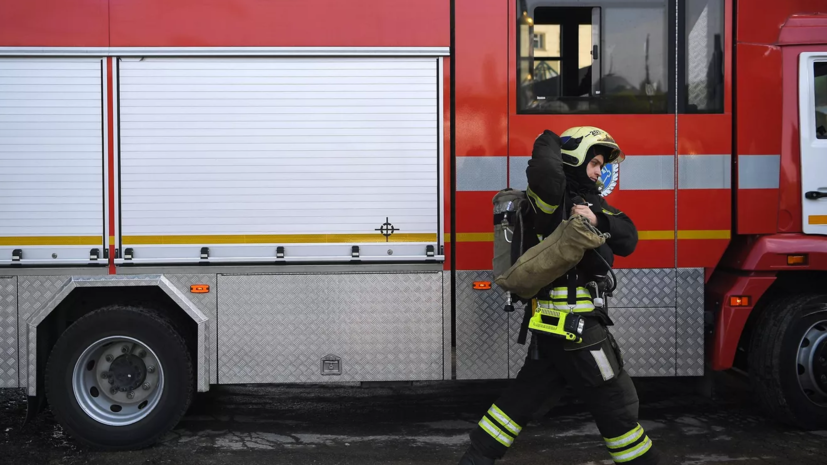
(797, 260)
(482, 285)
(739, 301)
(200, 288)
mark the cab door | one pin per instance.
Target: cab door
(813, 132)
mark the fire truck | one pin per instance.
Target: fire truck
(200, 193)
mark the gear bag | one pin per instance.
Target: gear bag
(551, 258)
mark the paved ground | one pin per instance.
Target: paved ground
(419, 424)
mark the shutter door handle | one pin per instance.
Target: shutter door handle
(815, 195)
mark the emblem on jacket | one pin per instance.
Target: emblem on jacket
(608, 179)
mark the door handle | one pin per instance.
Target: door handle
(815, 195)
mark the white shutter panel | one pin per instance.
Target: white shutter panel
(51, 159)
(243, 155)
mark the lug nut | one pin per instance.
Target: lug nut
(131, 395)
(109, 357)
(125, 349)
(105, 374)
(112, 381)
(146, 386)
(112, 391)
(151, 369)
(142, 354)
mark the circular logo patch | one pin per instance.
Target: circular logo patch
(608, 179)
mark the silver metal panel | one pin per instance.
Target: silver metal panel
(9, 360)
(644, 288)
(516, 352)
(516, 172)
(647, 172)
(690, 322)
(481, 173)
(647, 339)
(447, 324)
(759, 171)
(482, 329)
(33, 293)
(704, 171)
(64, 271)
(277, 328)
(207, 303)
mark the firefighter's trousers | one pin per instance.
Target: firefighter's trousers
(594, 369)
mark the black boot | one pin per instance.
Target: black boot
(474, 457)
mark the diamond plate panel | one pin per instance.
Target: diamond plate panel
(207, 303)
(482, 329)
(9, 362)
(516, 352)
(447, 323)
(277, 328)
(690, 322)
(644, 288)
(647, 339)
(34, 292)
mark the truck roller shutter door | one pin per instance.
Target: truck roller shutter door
(51, 160)
(247, 155)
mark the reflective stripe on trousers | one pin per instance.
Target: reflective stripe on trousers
(499, 426)
(630, 446)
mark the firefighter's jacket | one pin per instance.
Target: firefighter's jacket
(551, 202)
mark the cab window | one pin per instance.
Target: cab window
(608, 57)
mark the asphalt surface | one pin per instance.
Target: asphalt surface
(422, 423)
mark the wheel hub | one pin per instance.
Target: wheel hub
(127, 373)
(118, 380)
(812, 363)
(820, 365)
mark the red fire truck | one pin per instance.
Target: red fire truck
(197, 193)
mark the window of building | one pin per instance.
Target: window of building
(608, 57)
(820, 94)
(702, 60)
(539, 41)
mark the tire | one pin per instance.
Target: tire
(119, 378)
(788, 361)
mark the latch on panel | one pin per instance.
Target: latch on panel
(331, 365)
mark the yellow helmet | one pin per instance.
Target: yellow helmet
(577, 141)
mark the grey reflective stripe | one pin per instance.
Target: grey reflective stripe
(647, 172)
(505, 420)
(704, 171)
(516, 172)
(603, 364)
(496, 432)
(631, 454)
(626, 439)
(759, 171)
(481, 173)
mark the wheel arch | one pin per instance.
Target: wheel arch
(79, 296)
(786, 284)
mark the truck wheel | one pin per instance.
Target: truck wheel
(788, 360)
(119, 378)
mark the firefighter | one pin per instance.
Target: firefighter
(563, 176)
